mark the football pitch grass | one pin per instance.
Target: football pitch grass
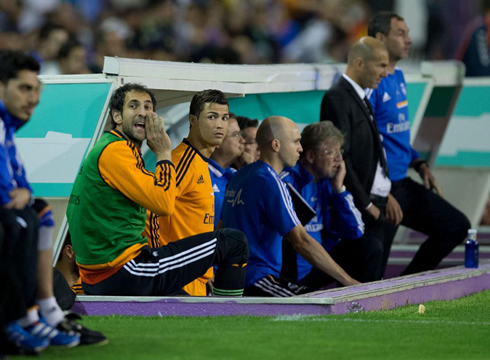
(458, 329)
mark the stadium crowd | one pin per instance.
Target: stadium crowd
(73, 36)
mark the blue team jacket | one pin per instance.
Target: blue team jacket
(337, 217)
(12, 172)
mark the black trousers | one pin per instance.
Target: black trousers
(360, 258)
(18, 262)
(273, 286)
(428, 213)
(165, 270)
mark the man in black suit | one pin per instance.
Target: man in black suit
(346, 105)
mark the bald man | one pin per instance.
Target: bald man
(258, 203)
(346, 105)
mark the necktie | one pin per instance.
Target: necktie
(369, 107)
(384, 165)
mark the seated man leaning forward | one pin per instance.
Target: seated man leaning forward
(338, 227)
(258, 203)
(107, 212)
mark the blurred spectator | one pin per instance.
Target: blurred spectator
(311, 44)
(33, 12)
(12, 40)
(436, 29)
(474, 49)
(9, 14)
(66, 16)
(90, 9)
(51, 38)
(123, 5)
(72, 58)
(329, 33)
(377, 6)
(283, 28)
(107, 43)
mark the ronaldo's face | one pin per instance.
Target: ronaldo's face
(212, 124)
(21, 94)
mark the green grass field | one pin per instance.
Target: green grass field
(458, 329)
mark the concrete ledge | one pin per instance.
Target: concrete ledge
(445, 284)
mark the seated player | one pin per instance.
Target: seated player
(194, 204)
(219, 164)
(68, 268)
(319, 178)
(108, 206)
(67, 284)
(28, 223)
(251, 151)
(258, 203)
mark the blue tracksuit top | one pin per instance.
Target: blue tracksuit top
(219, 178)
(390, 106)
(12, 172)
(336, 215)
(258, 203)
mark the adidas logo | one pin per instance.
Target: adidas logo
(386, 97)
(200, 180)
(216, 188)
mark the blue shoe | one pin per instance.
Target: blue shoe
(24, 339)
(43, 330)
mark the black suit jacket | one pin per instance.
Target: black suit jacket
(362, 149)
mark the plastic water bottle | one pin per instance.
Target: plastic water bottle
(471, 250)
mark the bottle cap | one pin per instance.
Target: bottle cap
(472, 232)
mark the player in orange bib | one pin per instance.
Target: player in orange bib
(194, 205)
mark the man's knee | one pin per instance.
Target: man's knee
(10, 224)
(456, 228)
(39, 205)
(43, 212)
(29, 216)
(461, 226)
(237, 242)
(464, 223)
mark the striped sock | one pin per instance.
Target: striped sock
(229, 280)
(223, 292)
